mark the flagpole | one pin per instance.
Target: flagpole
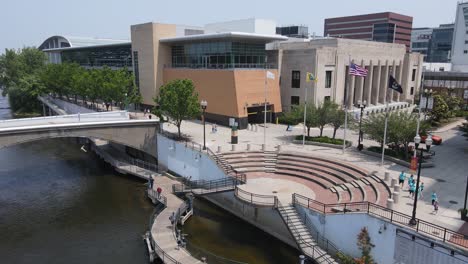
(305, 114)
(265, 111)
(385, 127)
(346, 107)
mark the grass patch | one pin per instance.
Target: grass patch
(26, 114)
(391, 153)
(327, 140)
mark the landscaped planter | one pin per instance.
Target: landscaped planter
(395, 160)
(348, 144)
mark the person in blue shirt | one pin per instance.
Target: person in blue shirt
(421, 188)
(402, 178)
(434, 197)
(410, 181)
(412, 189)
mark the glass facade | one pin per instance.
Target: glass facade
(119, 56)
(293, 31)
(440, 45)
(219, 55)
(383, 32)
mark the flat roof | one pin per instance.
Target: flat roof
(89, 47)
(225, 35)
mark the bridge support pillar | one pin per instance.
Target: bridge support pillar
(233, 148)
(387, 176)
(396, 197)
(390, 203)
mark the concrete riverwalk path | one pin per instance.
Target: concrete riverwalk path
(162, 230)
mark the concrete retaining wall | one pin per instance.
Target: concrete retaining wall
(343, 229)
(267, 219)
(395, 160)
(348, 144)
(185, 161)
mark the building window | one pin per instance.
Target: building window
(466, 41)
(294, 100)
(465, 51)
(136, 70)
(413, 75)
(328, 79)
(327, 98)
(412, 91)
(296, 79)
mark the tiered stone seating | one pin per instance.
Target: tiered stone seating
(335, 181)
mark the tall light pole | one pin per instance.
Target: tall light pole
(417, 141)
(362, 106)
(427, 95)
(203, 105)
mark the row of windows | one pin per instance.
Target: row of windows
(295, 100)
(98, 57)
(221, 54)
(296, 79)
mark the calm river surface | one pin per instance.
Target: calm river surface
(61, 205)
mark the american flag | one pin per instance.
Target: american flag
(357, 70)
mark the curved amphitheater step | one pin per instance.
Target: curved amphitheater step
(301, 234)
(251, 161)
(346, 168)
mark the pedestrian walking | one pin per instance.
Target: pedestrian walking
(215, 128)
(144, 112)
(436, 207)
(434, 197)
(151, 181)
(412, 189)
(159, 191)
(212, 128)
(402, 178)
(410, 180)
(421, 189)
(172, 218)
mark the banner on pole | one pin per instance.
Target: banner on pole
(413, 165)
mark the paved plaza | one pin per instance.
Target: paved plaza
(447, 178)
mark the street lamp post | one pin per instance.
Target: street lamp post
(417, 141)
(360, 137)
(427, 95)
(203, 105)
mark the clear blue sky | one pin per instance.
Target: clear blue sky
(29, 22)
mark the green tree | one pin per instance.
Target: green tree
(401, 129)
(337, 118)
(440, 109)
(19, 70)
(311, 117)
(292, 117)
(365, 245)
(324, 113)
(178, 101)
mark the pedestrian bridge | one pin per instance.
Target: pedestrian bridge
(138, 134)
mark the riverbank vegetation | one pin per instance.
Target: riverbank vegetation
(25, 74)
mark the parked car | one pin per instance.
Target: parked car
(436, 140)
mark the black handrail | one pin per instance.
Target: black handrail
(446, 235)
(300, 239)
(257, 199)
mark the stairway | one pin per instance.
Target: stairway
(302, 235)
(270, 160)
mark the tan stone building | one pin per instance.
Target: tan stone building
(227, 68)
(329, 58)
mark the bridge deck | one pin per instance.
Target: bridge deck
(161, 229)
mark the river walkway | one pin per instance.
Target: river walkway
(162, 231)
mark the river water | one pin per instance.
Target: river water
(59, 204)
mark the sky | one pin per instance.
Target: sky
(30, 22)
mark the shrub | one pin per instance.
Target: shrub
(322, 140)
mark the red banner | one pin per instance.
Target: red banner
(414, 164)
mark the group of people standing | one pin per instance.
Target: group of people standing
(150, 186)
(412, 189)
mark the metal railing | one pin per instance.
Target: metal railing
(158, 250)
(302, 241)
(256, 199)
(442, 233)
(153, 194)
(204, 186)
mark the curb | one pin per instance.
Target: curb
(397, 161)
